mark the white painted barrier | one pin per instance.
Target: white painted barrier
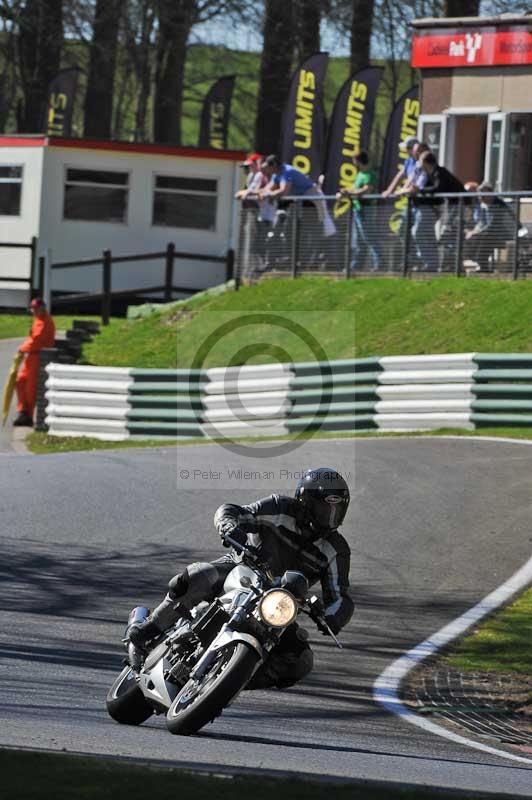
(423, 422)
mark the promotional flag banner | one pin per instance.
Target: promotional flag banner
(61, 98)
(402, 124)
(214, 127)
(303, 127)
(349, 131)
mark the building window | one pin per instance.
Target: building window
(10, 190)
(432, 136)
(185, 202)
(494, 154)
(96, 195)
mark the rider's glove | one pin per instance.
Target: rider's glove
(316, 608)
(230, 528)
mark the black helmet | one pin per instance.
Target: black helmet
(324, 495)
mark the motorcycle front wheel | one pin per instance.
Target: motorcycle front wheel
(202, 701)
(125, 702)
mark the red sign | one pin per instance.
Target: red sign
(484, 47)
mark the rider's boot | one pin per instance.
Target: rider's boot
(163, 617)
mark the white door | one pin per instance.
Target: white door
(496, 147)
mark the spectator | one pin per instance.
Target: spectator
(42, 334)
(365, 233)
(430, 179)
(417, 175)
(286, 181)
(473, 208)
(255, 181)
(260, 213)
(408, 167)
(494, 228)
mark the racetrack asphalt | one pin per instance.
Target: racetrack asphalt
(434, 526)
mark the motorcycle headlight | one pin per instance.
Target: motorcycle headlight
(278, 608)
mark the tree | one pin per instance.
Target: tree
(307, 27)
(102, 62)
(176, 19)
(361, 31)
(275, 73)
(461, 8)
(40, 41)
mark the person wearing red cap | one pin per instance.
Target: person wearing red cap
(260, 213)
(253, 176)
(42, 334)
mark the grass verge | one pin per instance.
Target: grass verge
(355, 318)
(39, 776)
(15, 326)
(501, 644)
(40, 443)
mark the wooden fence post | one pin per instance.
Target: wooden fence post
(106, 287)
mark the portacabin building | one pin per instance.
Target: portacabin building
(66, 199)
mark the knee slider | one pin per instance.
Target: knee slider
(178, 586)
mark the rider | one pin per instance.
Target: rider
(289, 533)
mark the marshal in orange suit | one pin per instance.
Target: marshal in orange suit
(42, 335)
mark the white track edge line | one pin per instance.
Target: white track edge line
(386, 687)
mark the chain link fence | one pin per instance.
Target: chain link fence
(460, 234)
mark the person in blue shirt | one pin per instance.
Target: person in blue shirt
(287, 181)
(406, 171)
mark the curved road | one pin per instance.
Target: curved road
(435, 525)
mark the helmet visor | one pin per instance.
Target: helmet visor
(328, 512)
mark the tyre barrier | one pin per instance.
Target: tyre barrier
(392, 393)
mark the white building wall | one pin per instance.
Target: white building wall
(70, 240)
(16, 263)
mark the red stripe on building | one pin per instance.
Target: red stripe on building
(121, 147)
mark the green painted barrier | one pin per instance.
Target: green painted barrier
(506, 420)
(501, 405)
(163, 386)
(494, 390)
(178, 415)
(163, 401)
(484, 375)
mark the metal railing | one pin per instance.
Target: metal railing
(107, 260)
(460, 234)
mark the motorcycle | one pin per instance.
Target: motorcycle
(200, 666)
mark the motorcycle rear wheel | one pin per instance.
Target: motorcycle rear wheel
(125, 702)
(200, 702)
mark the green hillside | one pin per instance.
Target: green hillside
(355, 318)
(206, 63)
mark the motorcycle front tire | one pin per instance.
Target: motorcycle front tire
(125, 702)
(200, 703)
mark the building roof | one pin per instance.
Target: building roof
(39, 140)
(474, 22)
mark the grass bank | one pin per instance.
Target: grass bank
(501, 644)
(355, 318)
(39, 776)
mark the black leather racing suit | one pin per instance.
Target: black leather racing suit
(274, 525)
